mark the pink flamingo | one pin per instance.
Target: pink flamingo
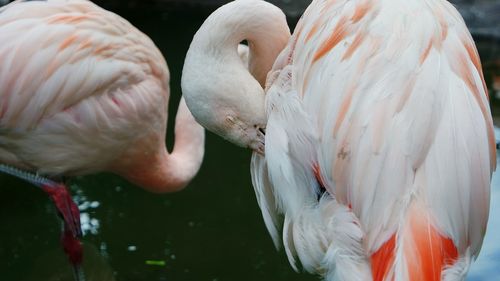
(83, 91)
(379, 144)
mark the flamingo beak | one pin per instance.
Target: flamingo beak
(258, 145)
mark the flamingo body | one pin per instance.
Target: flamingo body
(387, 100)
(83, 91)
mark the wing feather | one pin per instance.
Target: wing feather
(72, 69)
(383, 110)
(265, 196)
(403, 116)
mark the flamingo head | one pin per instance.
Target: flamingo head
(232, 108)
(223, 81)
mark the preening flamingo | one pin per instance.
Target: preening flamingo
(379, 144)
(83, 91)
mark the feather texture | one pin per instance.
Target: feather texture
(388, 98)
(82, 91)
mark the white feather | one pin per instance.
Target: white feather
(394, 123)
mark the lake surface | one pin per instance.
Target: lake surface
(211, 231)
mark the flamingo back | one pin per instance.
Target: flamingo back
(399, 111)
(79, 75)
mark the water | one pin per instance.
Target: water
(211, 231)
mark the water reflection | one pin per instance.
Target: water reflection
(90, 223)
(96, 267)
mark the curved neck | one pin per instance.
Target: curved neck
(189, 148)
(149, 165)
(224, 93)
(261, 24)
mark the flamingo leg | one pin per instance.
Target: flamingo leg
(66, 208)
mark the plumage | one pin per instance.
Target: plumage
(379, 144)
(403, 123)
(83, 91)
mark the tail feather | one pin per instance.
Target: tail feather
(459, 269)
(417, 252)
(427, 252)
(382, 259)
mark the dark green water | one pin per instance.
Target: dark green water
(211, 231)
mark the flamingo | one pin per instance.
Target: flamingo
(83, 91)
(378, 149)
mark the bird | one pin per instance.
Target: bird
(375, 146)
(83, 91)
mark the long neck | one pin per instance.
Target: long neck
(225, 94)
(261, 24)
(149, 165)
(187, 155)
